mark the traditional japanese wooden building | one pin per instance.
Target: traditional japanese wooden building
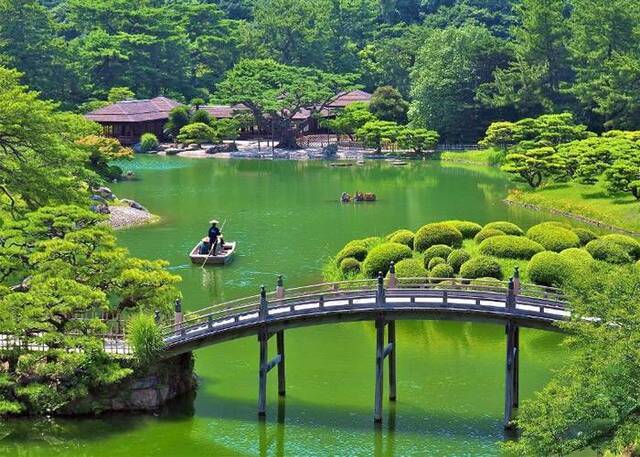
(128, 120)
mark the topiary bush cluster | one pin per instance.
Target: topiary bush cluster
(403, 236)
(435, 261)
(438, 250)
(381, 256)
(553, 236)
(355, 249)
(607, 251)
(467, 228)
(437, 233)
(510, 247)
(481, 267)
(630, 245)
(442, 270)
(584, 235)
(410, 268)
(350, 266)
(456, 258)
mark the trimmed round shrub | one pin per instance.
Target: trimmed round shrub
(438, 250)
(371, 241)
(630, 245)
(410, 268)
(350, 266)
(510, 247)
(148, 142)
(549, 269)
(467, 228)
(457, 258)
(441, 270)
(584, 235)
(507, 227)
(355, 249)
(403, 236)
(437, 233)
(487, 233)
(577, 257)
(553, 236)
(382, 255)
(607, 251)
(436, 261)
(481, 267)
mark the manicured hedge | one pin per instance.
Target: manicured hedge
(410, 268)
(510, 247)
(381, 256)
(437, 233)
(584, 235)
(350, 265)
(436, 261)
(438, 250)
(549, 269)
(487, 233)
(630, 245)
(480, 267)
(371, 242)
(577, 257)
(441, 271)
(507, 227)
(355, 249)
(607, 251)
(403, 236)
(553, 236)
(467, 228)
(457, 258)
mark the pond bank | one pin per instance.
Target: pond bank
(121, 217)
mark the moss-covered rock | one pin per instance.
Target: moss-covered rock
(467, 228)
(510, 247)
(507, 227)
(456, 258)
(553, 236)
(607, 251)
(350, 266)
(630, 245)
(481, 267)
(549, 269)
(437, 233)
(402, 236)
(438, 250)
(381, 256)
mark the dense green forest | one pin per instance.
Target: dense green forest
(460, 63)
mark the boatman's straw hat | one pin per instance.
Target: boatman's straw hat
(214, 221)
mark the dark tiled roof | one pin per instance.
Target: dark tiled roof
(346, 98)
(134, 111)
(224, 111)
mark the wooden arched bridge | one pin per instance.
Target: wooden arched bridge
(384, 301)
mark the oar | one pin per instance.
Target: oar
(212, 246)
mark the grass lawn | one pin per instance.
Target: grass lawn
(592, 202)
(490, 157)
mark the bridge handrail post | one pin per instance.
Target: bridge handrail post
(178, 315)
(511, 295)
(280, 288)
(517, 286)
(392, 275)
(263, 312)
(380, 293)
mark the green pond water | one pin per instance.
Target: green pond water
(287, 220)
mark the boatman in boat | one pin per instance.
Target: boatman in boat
(214, 233)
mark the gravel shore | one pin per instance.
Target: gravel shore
(125, 216)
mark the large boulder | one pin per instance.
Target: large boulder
(133, 204)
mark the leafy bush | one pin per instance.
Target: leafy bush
(481, 267)
(148, 142)
(436, 261)
(438, 250)
(371, 241)
(437, 233)
(577, 256)
(402, 236)
(201, 116)
(510, 247)
(197, 133)
(410, 268)
(145, 338)
(467, 228)
(553, 236)
(507, 227)
(355, 249)
(382, 255)
(456, 258)
(442, 270)
(487, 233)
(350, 266)
(584, 235)
(549, 269)
(630, 245)
(607, 251)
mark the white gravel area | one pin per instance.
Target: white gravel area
(125, 216)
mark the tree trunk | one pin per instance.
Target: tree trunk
(286, 134)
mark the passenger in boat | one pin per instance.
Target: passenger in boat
(345, 197)
(220, 245)
(214, 232)
(205, 246)
(359, 197)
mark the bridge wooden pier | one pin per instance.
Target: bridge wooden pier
(383, 301)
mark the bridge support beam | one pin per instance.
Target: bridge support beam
(382, 352)
(512, 373)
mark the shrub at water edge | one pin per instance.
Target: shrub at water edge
(607, 251)
(410, 268)
(553, 236)
(442, 270)
(350, 266)
(145, 337)
(355, 249)
(487, 233)
(402, 236)
(510, 247)
(437, 233)
(381, 256)
(148, 142)
(437, 250)
(549, 269)
(467, 228)
(630, 245)
(584, 235)
(436, 261)
(507, 227)
(480, 267)
(457, 258)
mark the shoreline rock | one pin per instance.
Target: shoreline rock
(121, 217)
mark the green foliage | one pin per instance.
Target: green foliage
(99, 152)
(487, 233)
(624, 176)
(145, 337)
(608, 251)
(535, 165)
(118, 94)
(200, 116)
(381, 256)
(584, 235)
(376, 133)
(148, 142)
(437, 233)
(350, 119)
(630, 245)
(510, 247)
(402, 236)
(481, 267)
(356, 249)
(410, 268)
(387, 104)
(437, 250)
(228, 129)
(435, 261)
(197, 133)
(578, 258)
(350, 266)
(467, 228)
(553, 236)
(456, 258)
(178, 118)
(442, 270)
(508, 228)
(417, 140)
(549, 269)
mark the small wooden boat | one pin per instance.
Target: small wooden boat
(398, 163)
(221, 258)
